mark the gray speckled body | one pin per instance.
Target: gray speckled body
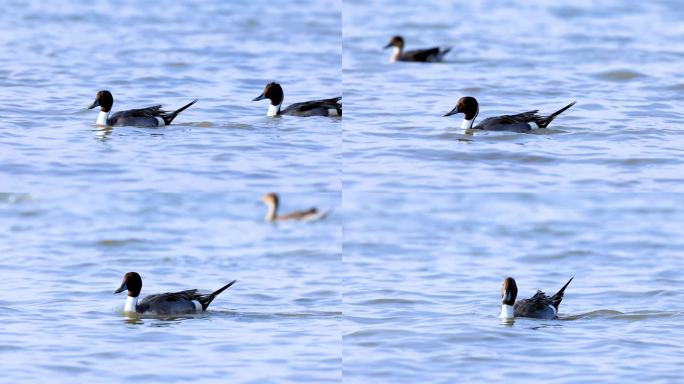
(133, 118)
(177, 303)
(538, 306)
(153, 116)
(510, 123)
(314, 108)
(430, 55)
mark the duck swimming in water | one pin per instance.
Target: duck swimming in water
(522, 122)
(538, 306)
(429, 55)
(176, 303)
(272, 201)
(324, 107)
(145, 117)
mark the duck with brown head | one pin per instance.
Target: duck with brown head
(274, 93)
(145, 117)
(429, 55)
(539, 306)
(509, 291)
(176, 303)
(272, 201)
(522, 122)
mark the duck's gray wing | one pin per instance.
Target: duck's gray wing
(307, 105)
(314, 107)
(511, 123)
(169, 303)
(145, 117)
(298, 215)
(429, 54)
(153, 111)
(537, 306)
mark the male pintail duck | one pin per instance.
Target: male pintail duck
(272, 201)
(423, 55)
(145, 117)
(176, 303)
(538, 306)
(274, 92)
(522, 122)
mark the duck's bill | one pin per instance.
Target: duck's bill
(260, 97)
(122, 288)
(387, 46)
(94, 104)
(452, 112)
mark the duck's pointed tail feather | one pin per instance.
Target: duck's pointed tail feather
(207, 299)
(552, 116)
(168, 118)
(558, 297)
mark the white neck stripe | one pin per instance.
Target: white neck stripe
(396, 53)
(102, 118)
(273, 110)
(507, 312)
(271, 213)
(131, 304)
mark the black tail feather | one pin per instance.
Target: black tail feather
(168, 118)
(558, 297)
(205, 300)
(552, 116)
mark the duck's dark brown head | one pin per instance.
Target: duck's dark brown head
(132, 282)
(509, 291)
(396, 41)
(104, 100)
(270, 198)
(274, 92)
(466, 105)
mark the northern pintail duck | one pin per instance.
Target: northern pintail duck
(538, 306)
(176, 303)
(434, 54)
(324, 107)
(522, 122)
(145, 117)
(272, 201)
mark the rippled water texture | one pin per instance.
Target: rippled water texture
(180, 204)
(55, 59)
(401, 282)
(621, 61)
(61, 256)
(424, 276)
